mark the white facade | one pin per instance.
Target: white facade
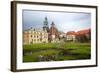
(35, 36)
(71, 37)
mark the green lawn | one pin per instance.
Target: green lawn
(56, 51)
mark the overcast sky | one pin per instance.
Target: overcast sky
(64, 21)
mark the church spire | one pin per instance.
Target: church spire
(52, 24)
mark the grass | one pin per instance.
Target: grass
(62, 51)
(42, 46)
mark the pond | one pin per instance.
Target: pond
(53, 55)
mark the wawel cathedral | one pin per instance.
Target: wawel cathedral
(42, 35)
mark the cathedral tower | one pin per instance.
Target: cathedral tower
(45, 25)
(53, 33)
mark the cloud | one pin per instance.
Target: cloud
(65, 21)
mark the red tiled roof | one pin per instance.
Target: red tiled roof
(71, 33)
(81, 32)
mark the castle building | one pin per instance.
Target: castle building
(84, 35)
(32, 36)
(71, 36)
(80, 36)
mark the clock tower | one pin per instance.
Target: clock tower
(45, 25)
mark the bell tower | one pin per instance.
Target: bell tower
(45, 25)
